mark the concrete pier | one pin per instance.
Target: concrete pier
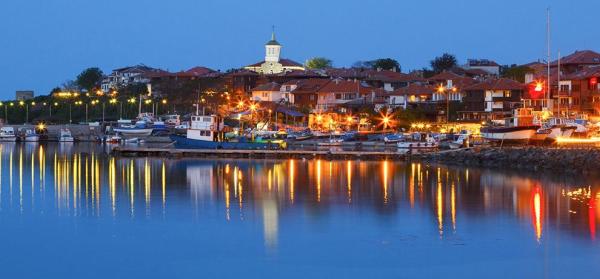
(131, 151)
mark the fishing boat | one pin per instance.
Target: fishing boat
(139, 129)
(65, 136)
(203, 134)
(172, 120)
(519, 128)
(419, 141)
(331, 142)
(30, 136)
(7, 134)
(392, 138)
(461, 141)
(302, 135)
(114, 139)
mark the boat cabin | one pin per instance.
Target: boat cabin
(7, 131)
(521, 117)
(205, 127)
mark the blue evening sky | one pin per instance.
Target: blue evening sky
(45, 42)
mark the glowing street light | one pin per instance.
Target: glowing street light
(442, 90)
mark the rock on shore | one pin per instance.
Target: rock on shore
(529, 158)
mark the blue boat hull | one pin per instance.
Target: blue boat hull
(185, 143)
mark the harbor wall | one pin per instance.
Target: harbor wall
(574, 160)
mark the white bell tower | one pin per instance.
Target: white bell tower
(272, 49)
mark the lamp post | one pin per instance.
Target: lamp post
(5, 113)
(22, 103)
(112, 101)
(93, 103)
(163, 102)
(78, 103)
(131, 100)
(443, 90)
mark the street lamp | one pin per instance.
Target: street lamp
(79, 103)
(5, 112)
(443, 90)
(22, 103)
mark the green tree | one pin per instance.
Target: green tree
(89, 78)
(443, 63)
(55, 90)
(515, 72)
(386, 64)
(133, 89)
(319, 63)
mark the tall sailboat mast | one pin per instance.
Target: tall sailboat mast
(548, 87)
(558, 79)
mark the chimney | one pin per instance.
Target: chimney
(394, 69)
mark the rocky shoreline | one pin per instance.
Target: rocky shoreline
(581, 160)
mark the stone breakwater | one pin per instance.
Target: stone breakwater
(585, 160)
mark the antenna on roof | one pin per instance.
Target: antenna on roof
(273, 32)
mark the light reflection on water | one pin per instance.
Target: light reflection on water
(82, 182)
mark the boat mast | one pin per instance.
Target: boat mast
(548, 87)
(140, 106)
(558, 90)
(198, 104)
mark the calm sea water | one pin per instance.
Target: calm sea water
(73, 211)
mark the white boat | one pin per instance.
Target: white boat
(65, 135)
(331, 142)
(204, 134)
(428, 143)
(7, 134)
(114, 139)
(521, 133)
(392, 138)
(461, 141)
(519, 128)
(30, 136)
(134, 140)
(560, 127)
(172, 120)
(140, 129)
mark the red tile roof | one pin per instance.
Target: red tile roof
(414, 89)
(459, 82)
(583, 57)
(243, 73)
(310, 86)
(497, 84)
(282, 61)
(585, 73)
(358, 73)
(271, 86)
(339, 85)
(391, 76)
(199, 71)
(444, 76)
